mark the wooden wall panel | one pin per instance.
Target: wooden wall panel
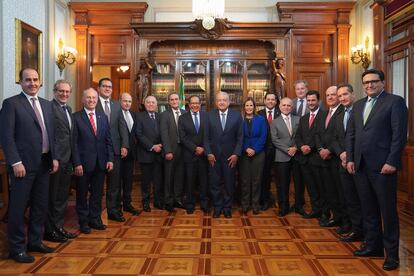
(111, 49)
(318, 76)
(315, 47)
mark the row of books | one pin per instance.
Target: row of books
(257, 94)
(258, 84)
(199, 69)
(164, 68)
(231, 68)
(236, 98)
(157, 85)
(234, 83)
(194, 84)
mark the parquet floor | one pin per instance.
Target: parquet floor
(159, 243)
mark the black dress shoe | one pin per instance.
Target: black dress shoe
(42, 248)
(85, 229)
(353, 237)
(169, 208)
(116, 217)
(179, 204)
(130, 209)
(311, 215)
(300, 211)
(216, 214)
(206, 211)
(391, 264)
(146, 208)
(55, 237)
(282, 213)
(190, 211)
(67, 234)
(158, 205)
(22, 257)
(329, 223)
(344, 229)
(368, 252)
(265, 206)
(97, 226)
(227, 214)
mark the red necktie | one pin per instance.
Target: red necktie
(92, 122)
(269, 117)
(328, 118)
(312, 117)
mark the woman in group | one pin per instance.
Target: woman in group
(253, 157)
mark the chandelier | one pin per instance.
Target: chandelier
(208, 11)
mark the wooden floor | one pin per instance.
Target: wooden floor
(159, 243)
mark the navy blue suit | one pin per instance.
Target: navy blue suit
(223, 144)
(21, 138)
(380, 141)
(93, 153)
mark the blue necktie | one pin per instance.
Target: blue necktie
(346, 117)
(196, 123)
(223, 120)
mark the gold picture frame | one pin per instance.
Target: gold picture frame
(29, 48)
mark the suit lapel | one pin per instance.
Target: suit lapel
(25, 103)
(87, 122)
(377, 106)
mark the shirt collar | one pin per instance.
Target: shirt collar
(271, 110)
(285, 116)
(225, 112)
(30, 96)
(89, 111)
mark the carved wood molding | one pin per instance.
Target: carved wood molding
(221, 26)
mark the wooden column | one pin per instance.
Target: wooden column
(82, 70)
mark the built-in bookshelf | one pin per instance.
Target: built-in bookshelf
(196, 80)
(258, 81)
(231, 80)
(163, 82)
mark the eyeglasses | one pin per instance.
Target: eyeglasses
(366, 83)
(106, 86)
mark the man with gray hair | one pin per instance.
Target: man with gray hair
(300, 106)
(223, 145)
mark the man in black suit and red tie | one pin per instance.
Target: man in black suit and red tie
(191, 130)
(27, 135)
(376, 137)
(270, 112)
(127, 163)
(92, 158)
(60, 181)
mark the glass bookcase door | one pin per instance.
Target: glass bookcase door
(196, 80)
(231, 81)
(258, 81)
(163, 82)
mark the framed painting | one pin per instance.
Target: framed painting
(29, 50)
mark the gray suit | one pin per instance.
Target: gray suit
(173, 169)
(120, 138)
(60, 181)
(285, 165)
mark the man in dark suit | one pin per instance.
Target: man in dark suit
(354, 231)
(331, 185)
(223, 141)
(92, 157)
(27, 136)
(300, 106)
(191, 130)
(270, 112)
(308, 154)
(172, 151)
(149, 147)
(120, 139)
(60, 181)
(376, 136)
(283, 130)
(127, 163)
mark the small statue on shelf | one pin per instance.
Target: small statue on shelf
(278, 65)
(143, 80)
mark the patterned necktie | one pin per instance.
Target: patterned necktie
(368, 108)
(45, 138)
(346, 117)
(154, 121)
(107, 110)
(223, 120)
(289, 126)
(269, 117)
(196, 123)
(300, 109)
(92, 121)
(328, 118)
(312, 117)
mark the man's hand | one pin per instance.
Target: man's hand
(124, 152)
(292, 151)
(211, 159)
(157, 147)
(19, 170)
(55, 166)
(305, 149)
(232, 160)
(169, 156)
(79, 170)
(109, 166)
(250, 152)
(199, 151)
(325, 154)
(388, 169)
(342, 156)
(350, 167)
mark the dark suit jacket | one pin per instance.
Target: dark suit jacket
(21, 135)
(306, 136)
(132, 151)
(169, 131)
(92, 151)
(64, 142)
(147, 135)
(383, 137)
(223, 143)
(189, 137)
(118, 126)
(338, 145)
(255, 138)
(262, 112)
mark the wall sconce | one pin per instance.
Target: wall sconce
(359, 54)
(66, 56)
(123, 68)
